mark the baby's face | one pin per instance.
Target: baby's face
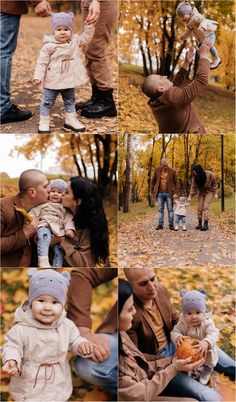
(55, 195)
(46, 309)
(185, 18)
(194, 317)
(62, 34)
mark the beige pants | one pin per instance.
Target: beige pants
(204, 201)
(98, 68)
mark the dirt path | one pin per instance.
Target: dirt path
(26, 95)
(140, 245)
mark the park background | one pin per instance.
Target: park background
(64, 156)
(149, 42)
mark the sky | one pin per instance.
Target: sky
(16, 164)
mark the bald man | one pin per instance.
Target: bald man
(15, 232)
(154, 319)
(172, 105)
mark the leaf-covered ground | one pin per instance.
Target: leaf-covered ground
(14, 287)
(27, 95)
(140, 245)
(215, 106)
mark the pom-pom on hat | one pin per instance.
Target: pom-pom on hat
(194, 299)
(58, 183)
(62, 20)
(48, 282)
(184, 8)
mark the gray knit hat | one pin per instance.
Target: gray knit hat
(48, 282)
(184, 8)
(193, 300)
(62, 19)
(58, 183)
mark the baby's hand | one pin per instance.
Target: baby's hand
(85, 349)
(200, 29)
(203, 347)
(70, 233)
(180, 340)
(37, 82)
(10, 367)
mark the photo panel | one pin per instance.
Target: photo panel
(176, 200)
(167, 316)
(68, 184)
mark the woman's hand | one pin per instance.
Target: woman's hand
(93, 13)
(186, 365)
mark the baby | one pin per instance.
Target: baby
(60, 69)
(194, 322)
(35, 351)
(54, 219)
(180, 212)
(200, 27)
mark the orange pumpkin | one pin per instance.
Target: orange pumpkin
(186, 349)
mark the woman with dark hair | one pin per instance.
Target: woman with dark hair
(204, 184)
(143, 377)
(91, 244)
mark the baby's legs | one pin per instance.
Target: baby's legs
(44, 237)
(58, 257)
(49, 97)
(213, 50)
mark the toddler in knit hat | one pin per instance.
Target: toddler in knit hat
(54, 220)
(200, 27)
(36, 347)
(195, 322)
(60, 69)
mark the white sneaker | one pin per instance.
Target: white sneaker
(216, 62)
(73, 123)
(184, 227)
(44, 125)
(43, 261)
(205, 377)
(176, 227)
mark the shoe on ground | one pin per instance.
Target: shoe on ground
(171, 227)
(89, 102)
(176, 227)
(104, 105)
(44, 125)
(184, 227)
(159, 227)
(204, 378)
(15, 114)
(216, 63)
(73, 123)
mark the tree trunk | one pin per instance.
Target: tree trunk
(128, 173)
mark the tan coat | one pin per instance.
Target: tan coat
(54, 216)
(196, 21)
(204, 332)
(17, 7)
(142, 377)
(41, 355)
(173, 110)
(15, 249)
(209, 187)
(59, 65)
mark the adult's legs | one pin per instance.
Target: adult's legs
(102, 374)
(160, 204)
(169, 205)
(225, 364)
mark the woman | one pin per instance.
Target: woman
(204, 184)
(143, 377)
(91, 243)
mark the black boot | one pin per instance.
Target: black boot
(199, 226)
(82, 105)
(205, 226)
(103, 106)
(15, 114)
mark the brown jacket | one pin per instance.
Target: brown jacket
(209, 187)
(142, 333)
(17, 7)
(172, 181)
(173, 110)
(78, 250)
(15, 249)
(83, 281)
(142, 378)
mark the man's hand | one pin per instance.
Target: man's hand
(93, 13)
(186, 365)
(10, 367)
(70, 233)
(216, 197)
(200, 29)
(102, 350)
(188, 58)
(204, 49)
(43, 9)
(30, 228)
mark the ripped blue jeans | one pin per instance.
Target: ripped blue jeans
(49, 97)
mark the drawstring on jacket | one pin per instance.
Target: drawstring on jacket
(51, 376)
